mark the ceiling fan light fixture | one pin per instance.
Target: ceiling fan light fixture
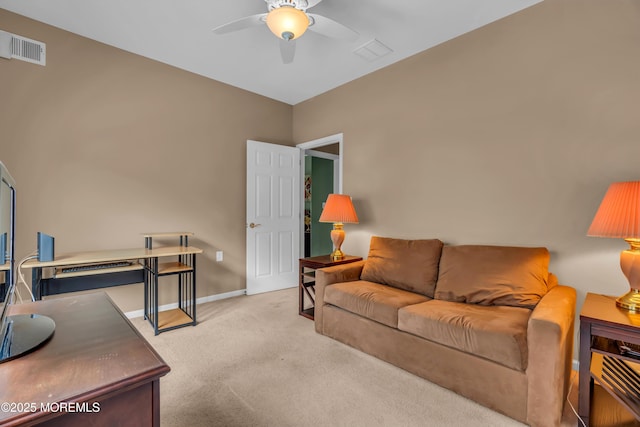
(287, 22)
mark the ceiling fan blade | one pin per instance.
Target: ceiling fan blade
(311, 3)
(241, 24)
(330, 28)
(287, 50)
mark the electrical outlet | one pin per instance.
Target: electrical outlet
(219, 256)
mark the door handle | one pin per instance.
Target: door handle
(253, 225)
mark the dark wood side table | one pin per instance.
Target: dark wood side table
(602, 325)
(307, 282)
(96, 361)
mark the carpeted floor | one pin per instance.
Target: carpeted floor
(253, 361)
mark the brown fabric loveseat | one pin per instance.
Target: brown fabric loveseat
(488, 322)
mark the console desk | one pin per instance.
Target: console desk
(95, 360)
(59, 282)
(145, 268)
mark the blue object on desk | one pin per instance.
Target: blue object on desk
(45, 247)
(3, 248)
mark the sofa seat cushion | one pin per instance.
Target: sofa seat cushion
(497, 333)
(371, 300)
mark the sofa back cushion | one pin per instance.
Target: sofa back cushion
(411, 265)
(493, 275)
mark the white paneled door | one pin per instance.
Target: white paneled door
(273, 215)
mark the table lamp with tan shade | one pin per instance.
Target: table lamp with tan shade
(339, 210)
(619, 216)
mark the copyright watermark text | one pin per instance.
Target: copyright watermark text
(22, 407)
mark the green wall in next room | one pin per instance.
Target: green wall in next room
(321, 172)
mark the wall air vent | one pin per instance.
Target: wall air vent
(22, 48)
(29, 50)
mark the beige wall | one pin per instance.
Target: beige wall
(508, 135)
(105, 145)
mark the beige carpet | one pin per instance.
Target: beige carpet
(253, 361)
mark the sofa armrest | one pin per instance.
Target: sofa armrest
(550, 347)
(327, 276)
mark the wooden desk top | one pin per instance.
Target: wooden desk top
(5, 267)
(97, 257)
(603, 309)
(94, 351)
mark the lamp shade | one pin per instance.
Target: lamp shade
(339, 208)
(619, 212)
(287, 22)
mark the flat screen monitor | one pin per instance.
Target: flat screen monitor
(7, 225)
(21, 333)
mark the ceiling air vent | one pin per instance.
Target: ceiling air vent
(22, 48)
(372, 50)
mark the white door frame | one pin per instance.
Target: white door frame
(327, 140)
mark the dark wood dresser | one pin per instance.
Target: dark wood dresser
(96, 366)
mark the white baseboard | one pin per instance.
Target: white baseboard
(210, 298)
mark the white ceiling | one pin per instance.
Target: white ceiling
(178, 32)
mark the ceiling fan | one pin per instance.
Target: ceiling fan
(288, 20)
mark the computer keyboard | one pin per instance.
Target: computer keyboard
(629, 349)
(79, 268)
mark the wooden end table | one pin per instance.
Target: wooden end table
(307, 279)
(602, 325)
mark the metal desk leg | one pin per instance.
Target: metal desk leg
(147, 245)
(145, 275)
(181, 260)
(193, 295)
(155, 295)
(36, 283)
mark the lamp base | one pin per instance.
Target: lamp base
(630, 301)
(630, 265)
(337, 255)
(337, 237)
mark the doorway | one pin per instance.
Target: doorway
(321, 176)
(274, 244)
